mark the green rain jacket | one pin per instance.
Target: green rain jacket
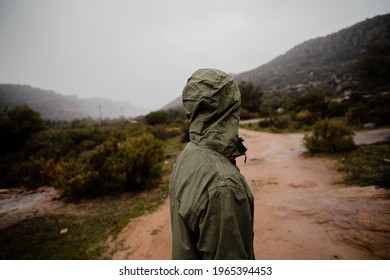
(211, 203)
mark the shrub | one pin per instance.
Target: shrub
(156, 117)
(266, 122)
(281, 121)
(142, 158)
(305, 117)
(27, 173)
(111, 167)
(329, 136)
(76, 178)
(164, 132)
(244, 114)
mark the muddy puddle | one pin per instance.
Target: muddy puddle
(359, 217)
(17, 204)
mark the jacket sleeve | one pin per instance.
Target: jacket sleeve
(226, 224)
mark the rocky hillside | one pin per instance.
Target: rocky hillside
(55, 106)
(321, 61)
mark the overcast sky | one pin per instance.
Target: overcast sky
(143, 51)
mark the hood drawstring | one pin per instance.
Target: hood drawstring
(241, 148)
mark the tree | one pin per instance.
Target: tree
(374, 67)
(17, 125)
(156, 117)
(313, 101)
(251, 96)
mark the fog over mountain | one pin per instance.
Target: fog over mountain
(55, 106)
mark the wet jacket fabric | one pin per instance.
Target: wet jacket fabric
(211, 203)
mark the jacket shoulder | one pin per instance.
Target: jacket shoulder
(198, 174)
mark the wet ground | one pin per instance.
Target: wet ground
(18, 203)
(301, 209)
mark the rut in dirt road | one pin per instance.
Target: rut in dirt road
(301, 211)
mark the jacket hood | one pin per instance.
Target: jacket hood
(211, 101)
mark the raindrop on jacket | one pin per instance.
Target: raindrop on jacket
(211, 203)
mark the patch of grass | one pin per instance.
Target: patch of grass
(273, 129)
(255, 127)
(367, 165)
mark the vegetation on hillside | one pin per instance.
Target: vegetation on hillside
(108, 173)
(366, 101)
(82, 159)
(321, 61)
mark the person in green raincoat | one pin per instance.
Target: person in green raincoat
(211, 204)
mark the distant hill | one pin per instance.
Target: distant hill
(177, 103)
(321, 61)
(55, 106)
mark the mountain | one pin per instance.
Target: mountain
(55, 106)
(326, 60)
(321, 61)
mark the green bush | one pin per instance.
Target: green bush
(329, 136)
(27, 173)
(17, 126)
(305, 117)
(111, 167)
(156, 117)
(142, 161)
(266, 122)
(162, 117)
(282, 121)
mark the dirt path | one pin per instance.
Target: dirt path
(300, 210)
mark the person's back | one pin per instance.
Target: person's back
(211, 203)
